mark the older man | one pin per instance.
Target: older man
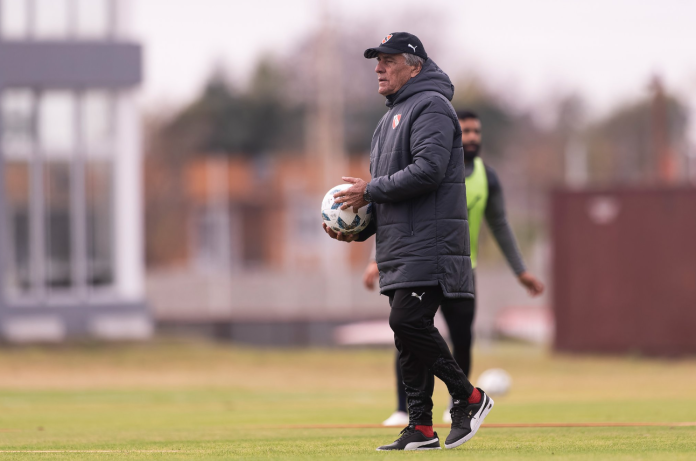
(420, 222)
(484, 195)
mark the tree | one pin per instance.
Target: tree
(621, 146)
(223, 120)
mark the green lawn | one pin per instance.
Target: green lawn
(196, 400)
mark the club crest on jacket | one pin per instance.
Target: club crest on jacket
(396, 120)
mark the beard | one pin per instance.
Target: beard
(471, 151)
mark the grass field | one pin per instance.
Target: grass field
(196, 400)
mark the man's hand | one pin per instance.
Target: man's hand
(371, 275)
(340, 236)
(353, 196)
(532, 284)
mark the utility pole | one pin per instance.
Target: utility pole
(663, 154)
(330, 152)
(576, 163)
(218, 254)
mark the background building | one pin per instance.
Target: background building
(70, 188)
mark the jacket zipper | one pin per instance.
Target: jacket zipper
(382, 135)
(410, 206)
(410, 217)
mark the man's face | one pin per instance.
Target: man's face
(471, 137)
(393, 72)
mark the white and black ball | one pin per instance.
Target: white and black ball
(344, 221)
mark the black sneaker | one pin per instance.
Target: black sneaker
(412, 439)
(466, 419)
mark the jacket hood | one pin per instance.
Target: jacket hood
(430, 78)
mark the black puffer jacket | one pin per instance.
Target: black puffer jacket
(417, 187)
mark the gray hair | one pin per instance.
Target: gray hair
(413, 60)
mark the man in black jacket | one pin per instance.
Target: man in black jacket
(484, 195)
(420, 221)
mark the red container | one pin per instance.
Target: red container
(624, 270)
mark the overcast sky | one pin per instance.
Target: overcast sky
(606, 50)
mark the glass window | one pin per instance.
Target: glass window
(303, 218)
(97, 134)
(97, 122)
(56, 124)
(59, 185)
(93, 18)
(254, 230)
(17, 143)
(18, 275)
(204, 234)
(99, 197)
(58, 226)
(212, 238)
(17, 122)
(14, 18)
(51, 18)
(18, 107)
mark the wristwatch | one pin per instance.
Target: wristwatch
(366, 195)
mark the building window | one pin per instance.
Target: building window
(255, 228)
(98, 131)
(58, 149)
(57, 19)
(14, 19)
(303, 219)
(100, 240)
(18, 122)
(18, 262)
(51, 19)
(58, 229)
(212, 238)
(93, 18)
(56, 124)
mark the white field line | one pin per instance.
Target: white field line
(95, 451)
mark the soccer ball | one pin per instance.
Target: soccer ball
(495, 381)
(344, 221)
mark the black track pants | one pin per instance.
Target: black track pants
(459, 316)
(423, 353)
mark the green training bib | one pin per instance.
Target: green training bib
(476, 199)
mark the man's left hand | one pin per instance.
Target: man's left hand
(340, 236)
(353, 196)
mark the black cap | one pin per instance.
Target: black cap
(396, 43)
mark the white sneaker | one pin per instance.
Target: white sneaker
(398, 418)
(447, 417)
